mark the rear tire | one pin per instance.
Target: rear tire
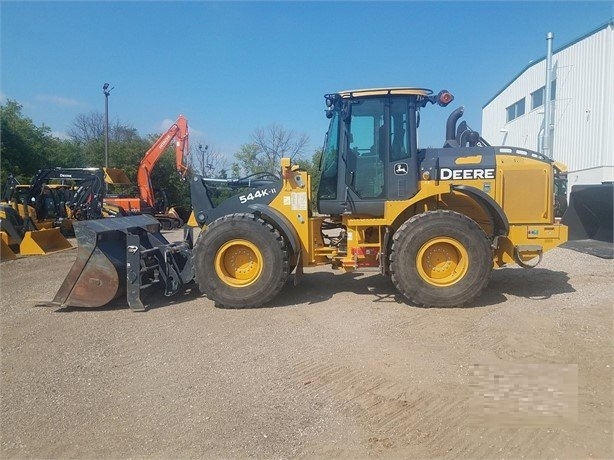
(440, 259)
(560, 205)
(240, 261)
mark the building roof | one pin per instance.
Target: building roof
(610, 23)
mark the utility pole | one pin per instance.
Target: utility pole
(107, 92)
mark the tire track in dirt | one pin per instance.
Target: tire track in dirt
(391, 411)
(396, 416)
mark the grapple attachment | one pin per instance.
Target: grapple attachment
(120, 256)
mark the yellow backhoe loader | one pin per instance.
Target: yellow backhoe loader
(436, 220)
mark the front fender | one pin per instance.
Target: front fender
(278, 220)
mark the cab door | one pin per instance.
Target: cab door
(368, 157)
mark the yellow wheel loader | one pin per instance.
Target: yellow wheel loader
(436, 220)
(22, 236)
(56, 197)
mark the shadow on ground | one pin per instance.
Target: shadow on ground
(536, 284)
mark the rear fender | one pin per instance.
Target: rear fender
(499, 222)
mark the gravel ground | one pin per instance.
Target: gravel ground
(337, 366)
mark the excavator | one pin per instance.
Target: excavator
(146, 202)
(436, 221)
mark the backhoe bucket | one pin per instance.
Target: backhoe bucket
(45, 241)
(119, 256)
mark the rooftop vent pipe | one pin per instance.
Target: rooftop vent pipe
(548, 128)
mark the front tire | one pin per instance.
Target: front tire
(440, 259)
(240, 261)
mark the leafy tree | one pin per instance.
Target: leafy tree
(312, 167)
(26, 148)
(87, 132)
(90, 127)
(248, 161)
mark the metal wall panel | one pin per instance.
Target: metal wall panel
(583, 112)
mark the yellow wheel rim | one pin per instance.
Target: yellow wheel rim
(442, 261)
(238, 263)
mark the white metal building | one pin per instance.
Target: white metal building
(582, 109)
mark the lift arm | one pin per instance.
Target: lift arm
(179, 132)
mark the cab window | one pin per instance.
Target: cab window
(367, 148)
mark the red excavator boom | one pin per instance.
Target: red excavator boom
(146, 201)
(179, 132)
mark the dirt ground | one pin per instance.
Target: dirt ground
(338, 366)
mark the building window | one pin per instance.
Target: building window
(515, 110)
(537, 97)
(553, 90)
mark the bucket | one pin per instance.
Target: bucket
(45, 241)
(113, 256)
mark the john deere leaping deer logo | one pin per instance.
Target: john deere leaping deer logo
(400, 169)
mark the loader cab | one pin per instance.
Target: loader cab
(370, 152)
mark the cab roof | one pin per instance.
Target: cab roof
(400, 91)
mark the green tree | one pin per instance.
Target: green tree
(312, 167)
(165, 176)
(125, 149)
(26, 148)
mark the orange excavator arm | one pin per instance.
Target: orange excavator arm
(179, 132)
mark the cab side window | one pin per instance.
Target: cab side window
(399, 139)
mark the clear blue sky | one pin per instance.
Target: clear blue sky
(232, 67)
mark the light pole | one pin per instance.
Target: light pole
(205, 159)
(107, 92)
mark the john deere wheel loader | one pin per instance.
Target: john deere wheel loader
(435, 220)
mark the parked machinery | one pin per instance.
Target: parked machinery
(55, 197)
(435, 220)
(36, 217)
(147, 202)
